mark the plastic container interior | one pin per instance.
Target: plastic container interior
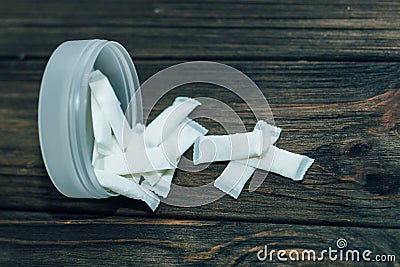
(65, 126)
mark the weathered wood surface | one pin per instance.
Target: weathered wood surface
(348, 124)
(67, 240)
(339, 30)
(330, 71)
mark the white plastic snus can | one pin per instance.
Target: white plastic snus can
(65, 125)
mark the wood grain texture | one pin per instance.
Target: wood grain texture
(68, 240)
(330, 72)
(290, 30)
(343, 114)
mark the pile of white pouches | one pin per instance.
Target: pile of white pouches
(143, 167)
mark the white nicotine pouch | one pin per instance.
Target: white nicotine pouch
(162, 157)
(163, 184)
(164, 125)
(126, 187)
(234, 177)
(168, 120)
(108, 118)
(135, 141)
(213, 148)
(238, 172)
(174, 146)
(101, 129)
(285, 163)
(109, 104)
(138, 161)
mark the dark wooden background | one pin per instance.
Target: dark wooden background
(330, 71)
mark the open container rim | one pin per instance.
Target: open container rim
(65, 129)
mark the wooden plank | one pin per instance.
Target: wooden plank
(343, 114)
(43, 238)
(313, 30)
(137, 13)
